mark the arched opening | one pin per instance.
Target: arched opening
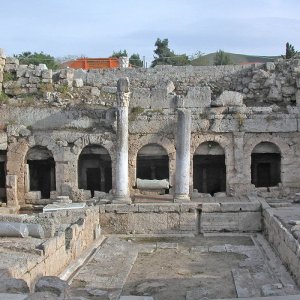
(2, 175)
(265, 165)
(152, 162)
(94, 169)
(209, 169)
(41, 167)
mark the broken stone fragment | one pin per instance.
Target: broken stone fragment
(13, 286)
(13, 229)
(229, 98)
(52, 284)
(152, 184)
(123, 85)
(78, 82)
(275, 94)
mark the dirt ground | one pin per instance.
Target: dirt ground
(171, 273)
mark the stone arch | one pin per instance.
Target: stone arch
(102, 140)
(40, 170)
(253, 140)
(265, 165)
(152, 162)
(209, 169)
(225, 141)
(137, 143)
(94, 169)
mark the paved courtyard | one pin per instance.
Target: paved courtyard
(200, 267)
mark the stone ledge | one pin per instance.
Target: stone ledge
(149, 207)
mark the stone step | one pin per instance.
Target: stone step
(39, 201)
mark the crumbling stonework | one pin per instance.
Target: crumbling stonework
(159, 151)
(64, 111)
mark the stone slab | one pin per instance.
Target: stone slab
(136, 298)
(244, 283)
(5, 296)
(63, 206)
(109, 267)
(290, 297)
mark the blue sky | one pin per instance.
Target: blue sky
(96, 28)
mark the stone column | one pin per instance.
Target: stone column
(121, 184)
(12, 190)
(183, 143)
(238, 183)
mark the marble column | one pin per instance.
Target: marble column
(121, 188)
(183, 143)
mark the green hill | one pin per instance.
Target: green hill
(208, 59)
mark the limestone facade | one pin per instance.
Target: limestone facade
(233, 109)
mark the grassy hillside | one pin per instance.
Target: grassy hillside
(208, 59)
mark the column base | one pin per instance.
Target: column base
(182, 198)
(121, 200)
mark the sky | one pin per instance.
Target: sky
(96, 28)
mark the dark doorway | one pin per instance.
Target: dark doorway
(94, 169)
(152, 163)
(93, 178)
(209, 173)
(40, 176)
(265, 169)
(2, 175)
(41, 171)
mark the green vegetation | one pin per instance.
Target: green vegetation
(46, 87)
(289, 51)
(165, 56)
(120, 53)
(241, 119)
(8, 76)
(222, 58)
(64, 89)
(28, 100)
(135, 60)
(35, 58)
(3, 98)
(135, 111)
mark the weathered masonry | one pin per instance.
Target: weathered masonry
(176, 132)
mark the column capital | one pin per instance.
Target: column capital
(123, 99)
(123, 92)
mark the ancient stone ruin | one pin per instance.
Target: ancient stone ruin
(207, 158)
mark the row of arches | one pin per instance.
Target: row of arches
(152, 162)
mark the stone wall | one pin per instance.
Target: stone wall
(68, 109)
(231, 217)
(146, 218)
(2, 64)
(68, 235)
(185, 218)
(285, 244)
(275, 83)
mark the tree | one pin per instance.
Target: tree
(289, 51)
(165, 56)
(222, 58)
(135, 60)
(27, 58)
(120, 53)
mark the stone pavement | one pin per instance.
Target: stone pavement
(106, 272)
